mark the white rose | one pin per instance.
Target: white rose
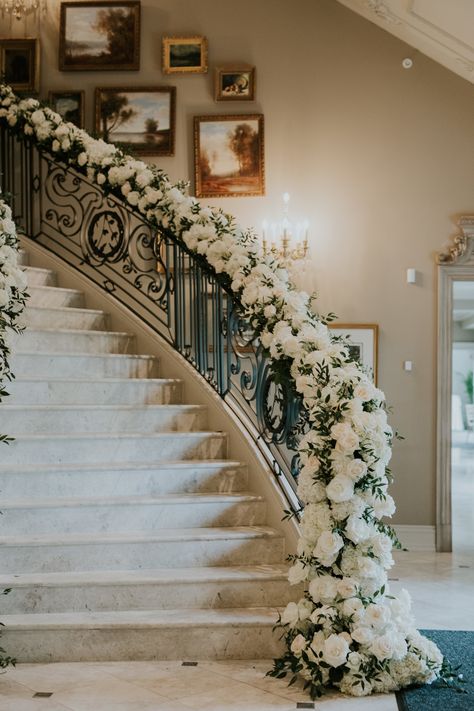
(347, 587)
(357, 529)
(340, 489)
(384, 507)
(327, 548)
(364, 391)
(383, 647)
(353, 607)
(335, 650)
(356, 469)
(377, 616)
(133, 197)
(82, 158)
(298, 645)
(269, 311)
(346, 439)
(290, 614)
(362, 635)
(323, 588)
(297, 573)
(305, 608)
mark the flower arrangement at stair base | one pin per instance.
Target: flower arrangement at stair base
(12, 301)
(347, 631)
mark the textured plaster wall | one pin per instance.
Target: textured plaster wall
(379, 159)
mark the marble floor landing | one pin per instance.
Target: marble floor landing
(440, 584)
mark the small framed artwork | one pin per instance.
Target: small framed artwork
(363, 342)
(69, 105)
(142, 118)
(184, 55)
(235, 83)
(229, 155)
(98, 36)
(20, 63)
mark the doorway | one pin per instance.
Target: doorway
(455, 393)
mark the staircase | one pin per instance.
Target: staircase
(126, 533)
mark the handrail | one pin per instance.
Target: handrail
(151, 270)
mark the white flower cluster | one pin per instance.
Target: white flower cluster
(12, 286)
(346, 631)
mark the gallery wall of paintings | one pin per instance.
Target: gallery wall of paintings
(105, 39)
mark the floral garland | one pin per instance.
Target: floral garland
(346, 631)
(12, 301)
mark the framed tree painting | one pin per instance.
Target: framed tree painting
(143, 118)
(229, 155)
(362, 342)
(69, 105)
(20, 63)
(98, 36)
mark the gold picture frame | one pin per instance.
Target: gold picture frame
(99, 36)
(234, 82)
(184, 54)
(19, 63)
(69, 105)
(363, 344)
(229, 155)
(142, 118)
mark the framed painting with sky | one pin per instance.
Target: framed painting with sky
(94, 36)
(141, 118)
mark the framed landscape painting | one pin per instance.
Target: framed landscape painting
(363, 342)
(141, 118)
(20, 63)
(184, 55)
(235, 83)
(98, 36)
(69, 105)
(229, 155)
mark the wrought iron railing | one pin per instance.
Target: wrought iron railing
(177, 293)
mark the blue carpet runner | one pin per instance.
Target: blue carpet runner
(458, 647)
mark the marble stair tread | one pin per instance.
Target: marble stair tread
(60, 317)
(37, 276)
(236, 573)
(181, 617)
(30, 306)
(90, 418)
(68, 340)
(212, 533)
(98, 501)
(122, 466)
(90, 365)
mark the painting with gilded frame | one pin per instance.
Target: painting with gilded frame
(98, 36)
(20, 63)
(363, 342)
(142, 118)
(69, 105)
(229, 155)
(184, 55)
(234, 82)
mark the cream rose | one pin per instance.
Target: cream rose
(335, 650)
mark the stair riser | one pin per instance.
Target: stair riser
(83, 366)
(23, 258)
(196, 643)
(104, 450)
(129, 482)
(166, 419)
(55, 298)
(40, 277)
(132, 556)
(147, 596)
(129, 518)
(55, 318)
(60, 342)
(125, 392)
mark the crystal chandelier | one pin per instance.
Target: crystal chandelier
(19, 8)
(287, 240)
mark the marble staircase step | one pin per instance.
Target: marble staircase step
(81, 391)
(124, 514)
(110, 447)
(62, 419)
(40, 277)
(49, 317)
(230, 633)
(84, 365)
(23, 257)
(55, 297)
(124, 479)
(166, 548)
(206, 587)
(72, 341)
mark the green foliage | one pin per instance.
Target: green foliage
(469, 385)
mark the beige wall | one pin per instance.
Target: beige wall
(379, 159)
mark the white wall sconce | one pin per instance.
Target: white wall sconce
(411, 275)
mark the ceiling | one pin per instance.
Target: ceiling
(441, 29)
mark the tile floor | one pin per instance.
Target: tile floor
(431, 578)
